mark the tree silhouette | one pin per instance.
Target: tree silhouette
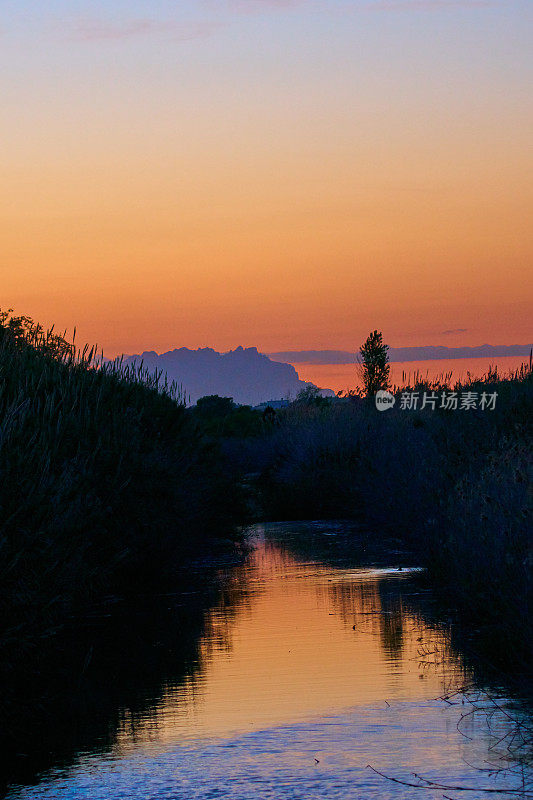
(375, 364)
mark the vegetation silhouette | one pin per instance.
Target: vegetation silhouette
(110, 485)
(107, 483)
(375, 367)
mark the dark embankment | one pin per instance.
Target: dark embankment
(454, 485)
(106, 484)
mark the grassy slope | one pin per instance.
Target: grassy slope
(104, 480)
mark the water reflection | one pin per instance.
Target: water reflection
(306, 670)
(300, 641)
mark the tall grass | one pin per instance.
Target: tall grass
(104, 480)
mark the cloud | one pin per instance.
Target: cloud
(102, 30)
(454, 330)
(255, 5)
(426, 5)
(252, 6)
(96, 30)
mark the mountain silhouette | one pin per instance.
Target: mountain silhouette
(245, 374)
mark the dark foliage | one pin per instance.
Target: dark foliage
(105, 482)
(375, 365)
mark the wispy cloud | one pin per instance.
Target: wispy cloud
(426, 5)
(454, 330)
(96, 30)
(253, 6)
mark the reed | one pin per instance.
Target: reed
(104, 480)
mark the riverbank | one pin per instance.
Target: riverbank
(453, 484)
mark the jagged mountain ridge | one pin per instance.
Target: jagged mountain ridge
(245, 374)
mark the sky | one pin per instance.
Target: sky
(286, 174)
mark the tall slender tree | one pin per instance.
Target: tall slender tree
(375, 364)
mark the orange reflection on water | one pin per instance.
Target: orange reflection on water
(291, 640)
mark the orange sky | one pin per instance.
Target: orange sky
(345, 376)
(290, 178)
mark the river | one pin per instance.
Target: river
(319, 666)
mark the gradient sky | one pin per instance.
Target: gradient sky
(266, 172)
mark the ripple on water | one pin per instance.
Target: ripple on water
(307, 673)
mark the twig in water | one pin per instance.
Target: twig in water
(432, 785)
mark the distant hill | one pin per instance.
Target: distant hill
(245, 374)
(422, 353)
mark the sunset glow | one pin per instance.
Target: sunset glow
(277, 174)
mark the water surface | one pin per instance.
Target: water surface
(309, 668)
